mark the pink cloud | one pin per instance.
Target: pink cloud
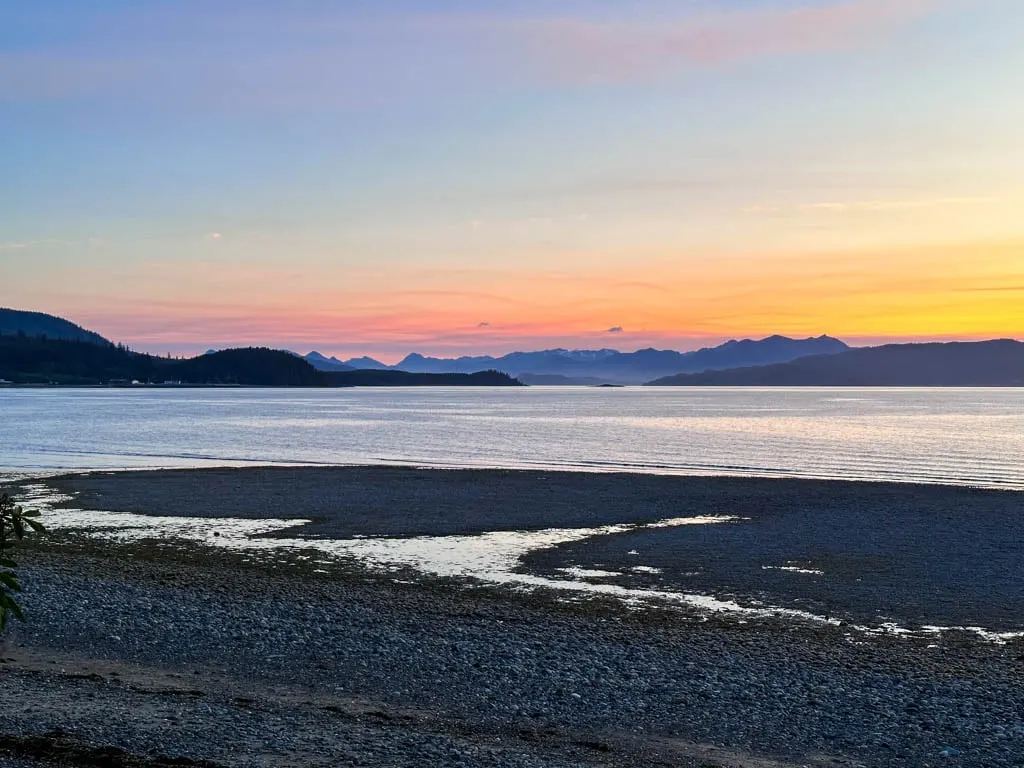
(624, 51)
(328, 60)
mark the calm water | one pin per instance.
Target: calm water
(962, 436)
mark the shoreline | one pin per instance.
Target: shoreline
(15, 475)
(212, 654)
(865, 553)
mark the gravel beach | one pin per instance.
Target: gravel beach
(178, 653)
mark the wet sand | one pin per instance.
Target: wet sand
(867, 552)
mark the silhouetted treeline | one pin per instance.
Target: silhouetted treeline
(38, 360)
(16, 322)
(251, 366)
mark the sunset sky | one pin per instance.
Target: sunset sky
(459, 178)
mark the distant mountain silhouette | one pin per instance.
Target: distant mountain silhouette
(417, 363)
(37, 360)
(367, 363)
(956, 364)
(322, 363)
(609, 365)
(774, 349)
(15, 321)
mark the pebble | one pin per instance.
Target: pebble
(502, 665)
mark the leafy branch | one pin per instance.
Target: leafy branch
(15, 524)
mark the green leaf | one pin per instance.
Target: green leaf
(16, 610)
(8, 608)
(10, 581)
(36, 526)
(6, 563)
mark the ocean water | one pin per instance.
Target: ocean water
(949, 436)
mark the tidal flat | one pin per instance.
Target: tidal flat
(836, 656)
(916, 555)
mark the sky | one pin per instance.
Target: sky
(456, 178)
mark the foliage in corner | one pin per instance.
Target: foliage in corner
(15, 523)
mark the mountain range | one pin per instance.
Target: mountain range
(604, 366)
(322, 363)
(998, 363)
(40, 348)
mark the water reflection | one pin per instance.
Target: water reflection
(959, 436)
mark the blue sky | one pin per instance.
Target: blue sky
(383, 176)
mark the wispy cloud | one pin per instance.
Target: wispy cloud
(992, 289)
(21, 245)
(325, 58)
(639, 50)
(856, 206)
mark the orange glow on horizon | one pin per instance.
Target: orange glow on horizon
(969, 291)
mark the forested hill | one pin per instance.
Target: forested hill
(16, 322)
(253, 366)
(37, 360)
(997, 363)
